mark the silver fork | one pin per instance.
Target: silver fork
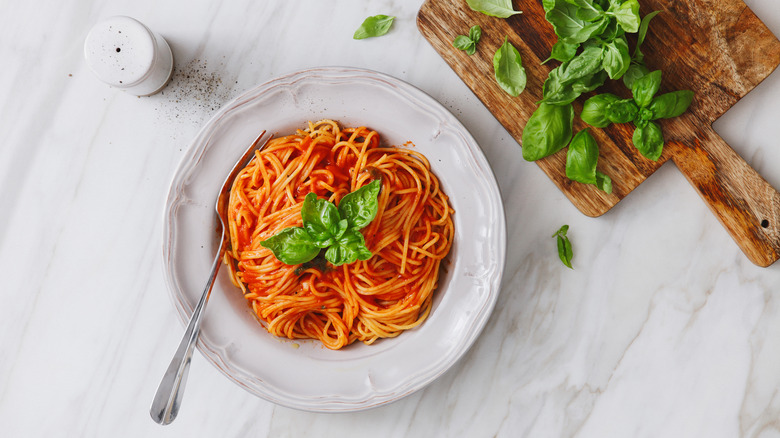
(167, 399)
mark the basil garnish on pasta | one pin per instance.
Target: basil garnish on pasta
(325, 226)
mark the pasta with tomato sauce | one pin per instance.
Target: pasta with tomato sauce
(409, 237)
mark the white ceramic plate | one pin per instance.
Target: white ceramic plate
(303, 374)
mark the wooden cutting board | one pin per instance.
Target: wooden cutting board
(717, 48)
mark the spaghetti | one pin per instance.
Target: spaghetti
(367, 300)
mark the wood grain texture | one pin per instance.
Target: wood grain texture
(717, 48)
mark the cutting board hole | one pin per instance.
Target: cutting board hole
(765, 223)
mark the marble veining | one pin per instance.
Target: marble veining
(662, 329)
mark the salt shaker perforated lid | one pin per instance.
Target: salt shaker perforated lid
(125, 54)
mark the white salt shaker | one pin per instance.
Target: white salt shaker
(125, 54)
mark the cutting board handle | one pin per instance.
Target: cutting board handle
(746, 205)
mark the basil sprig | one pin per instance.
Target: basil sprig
(468, 43)
(325, 226)
(374, 26)
(565, 252)
(508, 68)
(642, 110)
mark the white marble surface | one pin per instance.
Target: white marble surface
(663, 329)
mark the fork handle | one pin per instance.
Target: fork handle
(167, 400)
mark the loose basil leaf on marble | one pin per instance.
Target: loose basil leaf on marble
(621, 111)
(508, 68)
(548, 130)
(374, 26)
(359, 208)
(616, 58)
(649, 141)
(671, 104)
(349, 248)
(644, 88)
(634, 72)
(594, 110)
(565, 252)
(292, 246)
(494, 8)
(627, 15)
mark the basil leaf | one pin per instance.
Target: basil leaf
(359, 207)
(585, 64)
(671, 104)
(555, 92)
(643, 26)
(508, 68)
(589, 31)
(603, 182)
(589, 83)
(563, 50)
(616, 58)
(319, 218)
(494, 8)
(339, 228)
(581, 74)
(475, 33)
(565, 252)
(645, 88)
(292, 246)
(348, 249)
(594, 110)
(375, 26)
(621, 111)
(581, 158)
(548, 130)
(468, 43)
(627, 15)
(649, 141)
(563, 17)
(464, 43)
(588, 11)
(634, 72)
(612, 31)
